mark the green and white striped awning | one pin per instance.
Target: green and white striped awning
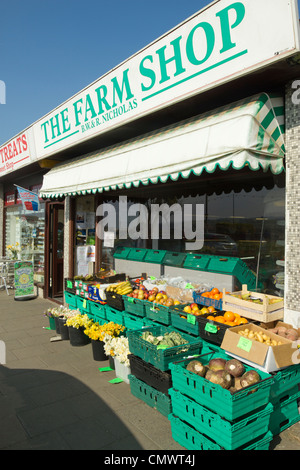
(248, 132)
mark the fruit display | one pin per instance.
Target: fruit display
(229, 374)
(213, 294)
(121, 288)
(153, 295)
(195, 309)
(228, 318)
(250, 297)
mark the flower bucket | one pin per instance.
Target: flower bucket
(122, 371)
(57, 325)
(78, 337)
(52, 325)
(64, 330)
(98, 350)
(111, 362)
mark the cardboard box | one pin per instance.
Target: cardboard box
(277, 324)
(266, 311)
(259, 355)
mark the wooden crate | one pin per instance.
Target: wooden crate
(264, 312)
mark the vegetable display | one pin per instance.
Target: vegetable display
(229, 374)
(169, 340)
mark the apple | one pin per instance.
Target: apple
(146, 295)
(151, 298)
(194, 306)
(187, 309)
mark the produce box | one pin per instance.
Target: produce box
(157, 312)
(96, 293)
(230, 406)
(286, 413)
(83, 305)
(228, 435)
(160, 380)
(98, 310)
(71, 300)
(286, 382)
(115, 300)
(268, 358)
(184, 321)
(70, 286)
(199, 299)
(114, 315)
(134, 306)
(211, 330)
(253, 305)
(191, 439)
(81, 293)
(150, 395)
(132, 322)
(161, 356)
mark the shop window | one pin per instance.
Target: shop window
(26, 230)
(244, 217)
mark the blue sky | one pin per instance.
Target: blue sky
(51, 49)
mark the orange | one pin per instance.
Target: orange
(243, 321)
(216, 296)
(210, 317)
(205, 294)
(230, 323)
(229, 316)
(215, 291)
(220, 319)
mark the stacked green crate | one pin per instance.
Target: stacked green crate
(285, 397)
(216, 418)
(151, 366)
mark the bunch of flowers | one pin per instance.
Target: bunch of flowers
(95, 331)
(13, 251)
(79, 321)
(60, 311)
(118, 348)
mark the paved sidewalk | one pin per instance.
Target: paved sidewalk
(53, 397)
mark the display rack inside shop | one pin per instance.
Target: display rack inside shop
(224, 379)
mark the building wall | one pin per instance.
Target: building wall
(1, 219)
(292, 242)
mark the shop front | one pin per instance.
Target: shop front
(229, 161)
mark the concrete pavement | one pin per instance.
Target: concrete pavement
(53, 397)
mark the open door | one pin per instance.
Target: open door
(54, 259)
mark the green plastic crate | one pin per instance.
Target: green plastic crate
(284, 381)
(189, 324)
(132, 322)
(196, 262)
(134, 306)
(158, 313)
(286, 413)
(155, 256)
(230, 406)
(228, 435)
(121, 252)
(71, 300)
(137, 254)
(162, 358)
(174, 259)
(191, 439)
(98, 309)
(114, 315)
(84, 305)
(150, 395)
(232, 266)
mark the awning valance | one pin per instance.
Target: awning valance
(248, 132)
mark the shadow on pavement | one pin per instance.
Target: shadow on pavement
(51, 410)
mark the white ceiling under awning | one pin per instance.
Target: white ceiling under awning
(249, 132)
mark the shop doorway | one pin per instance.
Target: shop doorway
(54, 260)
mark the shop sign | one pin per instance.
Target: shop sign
(24, 284)
(10, 198)
(30, 200)
(225, 40)
(15, 154)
